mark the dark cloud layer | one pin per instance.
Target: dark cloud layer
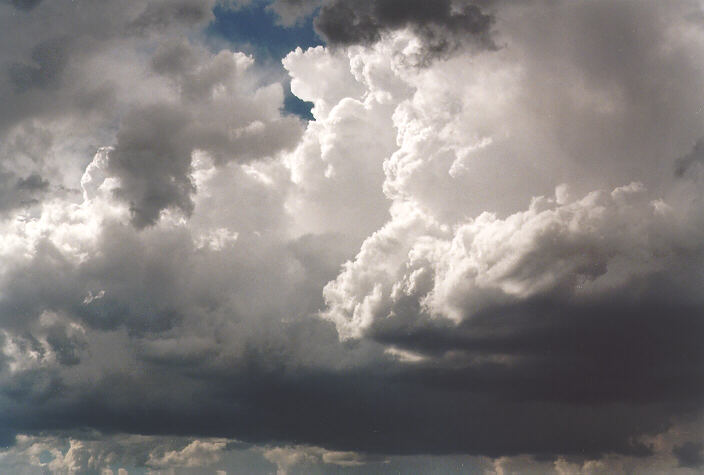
(371, 410)
(609, 352)
(513, 380)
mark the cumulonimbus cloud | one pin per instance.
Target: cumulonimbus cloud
(496, 254)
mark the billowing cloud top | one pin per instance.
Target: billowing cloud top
(484, 252)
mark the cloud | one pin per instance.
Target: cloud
(25, 4)
(152, 159)
(522, 308)
(292, 11)
(486, 260)
(443, 26)
(696, 156)
(48, 61)
(689, 454)
(95, 453)
(160, 14)
(338, 160)
(214, 113)
(286, 457)
(196, 454)
(578, 250)
(16, 192)
(58, 75)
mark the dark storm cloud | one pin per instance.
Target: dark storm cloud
(689, 454)
(263, 396)
(601, 353)
(443, 25)
(516, 379)
(543, 377)
(374, 410)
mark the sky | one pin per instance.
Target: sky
(351, 237)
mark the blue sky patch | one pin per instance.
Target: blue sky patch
(253, 29)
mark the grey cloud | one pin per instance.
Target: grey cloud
(689, 454)
(32, 288)
(145, 304)
(142, 305)
(696, 156)
(31, 387)
(54, 74)
(25, 4)
(48, 62)
(516, 379)
(175, 59)
(443, 25)
(46, 53)
(66, 346)
(152, 158)
(292, 11)
(616, 370)
(372, 410)
(32, 183)
(210, 326)
(160, 14)
(604, 353)
(16, 191)
(625, 120)
(583, 110)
